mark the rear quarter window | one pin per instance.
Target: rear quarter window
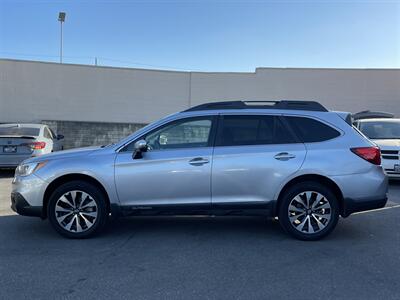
(310, 130)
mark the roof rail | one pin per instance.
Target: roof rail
(282, 104)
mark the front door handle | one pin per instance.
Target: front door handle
(284, 156)
(198, 161)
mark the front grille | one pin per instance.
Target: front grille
(390, 154)
(392, 172)
(390, 157)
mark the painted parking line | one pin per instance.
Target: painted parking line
(378, 209)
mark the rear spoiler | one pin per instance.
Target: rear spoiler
(18, 137)
(367, 114)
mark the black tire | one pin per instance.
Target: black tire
(291, 193)
(95, 194)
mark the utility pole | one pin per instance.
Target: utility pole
(61, 18)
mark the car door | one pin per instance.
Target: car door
(253, 156)
(176, 169)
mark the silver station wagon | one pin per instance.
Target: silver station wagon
(294, 160)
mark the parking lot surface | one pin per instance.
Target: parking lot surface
(196, 257)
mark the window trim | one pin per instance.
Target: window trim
(278, 117)
(211, 137)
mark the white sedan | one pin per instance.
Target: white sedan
(385, 132)
(21, 141)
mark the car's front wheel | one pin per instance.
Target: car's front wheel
(77, 209)
(309, 211)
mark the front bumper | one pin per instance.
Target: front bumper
(391, 168)
(351, 206)
(23, 208)
(391, 174)
(27, 193)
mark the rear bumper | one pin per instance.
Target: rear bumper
(363, 187)
(12, 160)
(351, 206)
(22, 207)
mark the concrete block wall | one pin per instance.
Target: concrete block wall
(82, 134)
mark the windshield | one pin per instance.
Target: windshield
(381, 130)
(19, 131)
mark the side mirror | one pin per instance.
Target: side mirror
(140, 147)
(60, 137)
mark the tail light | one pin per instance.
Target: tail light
(370, 154)
(35, 145)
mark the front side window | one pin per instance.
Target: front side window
(310, 130)
(237, 130)
(179, 134)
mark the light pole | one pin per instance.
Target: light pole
(61, 18)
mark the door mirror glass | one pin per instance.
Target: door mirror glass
(141, 146)
(60, 137)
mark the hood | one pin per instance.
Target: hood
(64, 154)
(388, 144)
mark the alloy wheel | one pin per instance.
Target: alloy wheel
(76, 211)
(309, 212)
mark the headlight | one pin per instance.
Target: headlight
(28, 168)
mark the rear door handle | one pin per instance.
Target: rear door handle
(284, 156)
(198, 161)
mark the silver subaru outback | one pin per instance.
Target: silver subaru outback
(294, 160)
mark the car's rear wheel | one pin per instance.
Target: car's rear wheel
(77, 209)
(309, 211)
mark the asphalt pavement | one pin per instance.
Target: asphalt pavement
(200, 258)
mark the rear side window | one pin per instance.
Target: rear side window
(47, 134)
(253, 130)
(310, 130)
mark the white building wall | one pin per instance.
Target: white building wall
(35, 91)
(32, 91)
